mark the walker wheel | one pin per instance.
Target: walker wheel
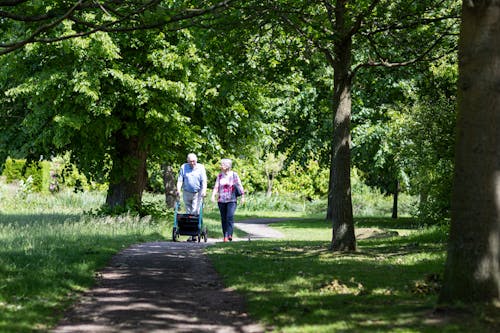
(175, 235)
(205, 234)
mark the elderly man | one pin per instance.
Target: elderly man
(193, 182)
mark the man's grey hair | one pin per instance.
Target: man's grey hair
(192, 157)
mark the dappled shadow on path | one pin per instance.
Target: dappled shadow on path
(159, 287)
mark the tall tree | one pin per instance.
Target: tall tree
(403, 133)
(354, 36)
(111, 103)
(472, 270)
(117, 101)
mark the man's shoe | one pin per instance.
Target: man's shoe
(230, 238)
(225, 239)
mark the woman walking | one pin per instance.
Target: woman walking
(228, 187)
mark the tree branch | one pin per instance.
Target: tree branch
(31, 39)
(420, 58)
(131, 17)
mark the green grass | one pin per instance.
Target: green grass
(388, 285)
(50, 251)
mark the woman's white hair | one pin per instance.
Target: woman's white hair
(227, 162)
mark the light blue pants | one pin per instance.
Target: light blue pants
(192, 202)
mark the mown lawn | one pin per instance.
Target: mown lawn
(389, 285)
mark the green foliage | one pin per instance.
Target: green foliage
(279, 203)
(408, 137)
(310, 181)
(47, 174)
(219, 92)
(252, 175)
(152, 205)
(13, 169)
(426, 135)
(155, 178)
(157, 89)
(25, 188)
(37, 174)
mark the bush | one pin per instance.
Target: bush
(38, 173)
(48, 176)
(13, 170)
(310, 182)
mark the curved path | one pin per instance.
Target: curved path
(259, 228)
(164, 287)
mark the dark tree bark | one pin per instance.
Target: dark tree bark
(395, 197)
(472, 272)
(128, 176)
(343, 238)
(169, 183)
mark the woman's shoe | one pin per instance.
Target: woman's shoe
(230, 238)
(225, 239)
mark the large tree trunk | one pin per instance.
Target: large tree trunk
(169, 182)
(340, 206)
(128, 176)
(472, 272)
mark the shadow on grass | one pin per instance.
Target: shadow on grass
(386, 222)
(45, 261)
(360, 222)
(28, 219)
(301, 285)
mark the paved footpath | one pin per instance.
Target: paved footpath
(163, 287)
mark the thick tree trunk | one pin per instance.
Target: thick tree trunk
(342, 218)
(340, 206)
(128, 175)
(472, 272)
(169, 183)
(329, 208)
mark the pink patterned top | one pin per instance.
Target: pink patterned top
(225, 185)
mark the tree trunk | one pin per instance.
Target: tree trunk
(343, 237)
(329, 208)
(395, 201)
(423, 197)
(472, 272)
(269, 190)
(169, 183)
(128, 175)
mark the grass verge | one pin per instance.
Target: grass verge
(50, 251)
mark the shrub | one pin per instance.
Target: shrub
(13, 170)
(37, 172)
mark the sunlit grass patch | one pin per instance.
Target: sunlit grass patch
(50, 251)
(297, 285)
